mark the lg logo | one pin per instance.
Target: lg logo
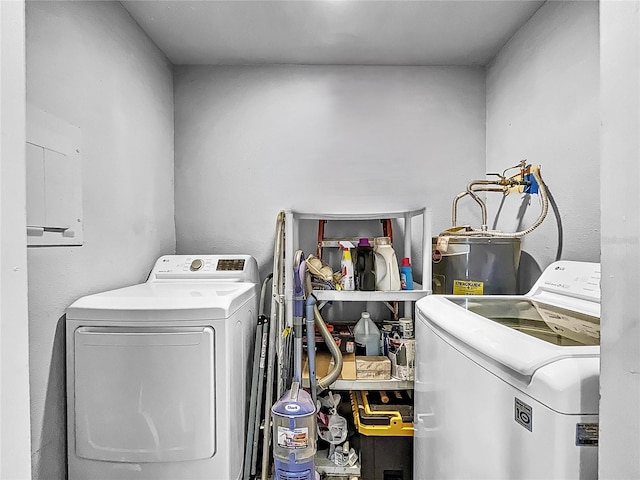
(523, 414)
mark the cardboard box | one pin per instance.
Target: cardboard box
(373, 368)
(324, 363)
(348, 366)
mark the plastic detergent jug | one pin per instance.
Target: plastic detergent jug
(387, 272)
(367, 336)
(406, 275)
(365, 262)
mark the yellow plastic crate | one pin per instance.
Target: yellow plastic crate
(373, 417)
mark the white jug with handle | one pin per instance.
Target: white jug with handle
(387, 271)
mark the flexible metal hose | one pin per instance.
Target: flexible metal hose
(473, 232)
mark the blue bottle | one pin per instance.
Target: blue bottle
(406, 275)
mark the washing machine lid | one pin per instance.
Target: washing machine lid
(558, 319)
(520, 351)
(549, 323)
(179, 300)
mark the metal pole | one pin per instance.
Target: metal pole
(256, 427)
(254, 400)
(274, 334)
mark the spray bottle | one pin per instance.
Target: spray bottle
(346, 267)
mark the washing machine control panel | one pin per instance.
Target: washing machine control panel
(571, 279)
(222, 267)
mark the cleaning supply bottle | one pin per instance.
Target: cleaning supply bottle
(365, 262)
(367, 336)
(386, 266)
(406, 275)
(346, 267)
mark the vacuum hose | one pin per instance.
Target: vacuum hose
(298, 312)
(314, 312)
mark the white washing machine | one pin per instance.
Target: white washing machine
(157, 373)
(507, 387)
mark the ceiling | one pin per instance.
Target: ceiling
(335, 32)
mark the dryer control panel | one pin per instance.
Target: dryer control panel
(234, 268)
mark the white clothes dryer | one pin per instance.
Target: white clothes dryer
(157, 373)
(507, 387)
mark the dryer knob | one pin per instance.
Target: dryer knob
(196, 265)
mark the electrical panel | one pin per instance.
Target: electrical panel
(54, 181)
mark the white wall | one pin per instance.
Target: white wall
(251, 141)
(89, 64)
(620, 173)
(543, 106)
(15, 461)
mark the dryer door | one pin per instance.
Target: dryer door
(144, 394)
